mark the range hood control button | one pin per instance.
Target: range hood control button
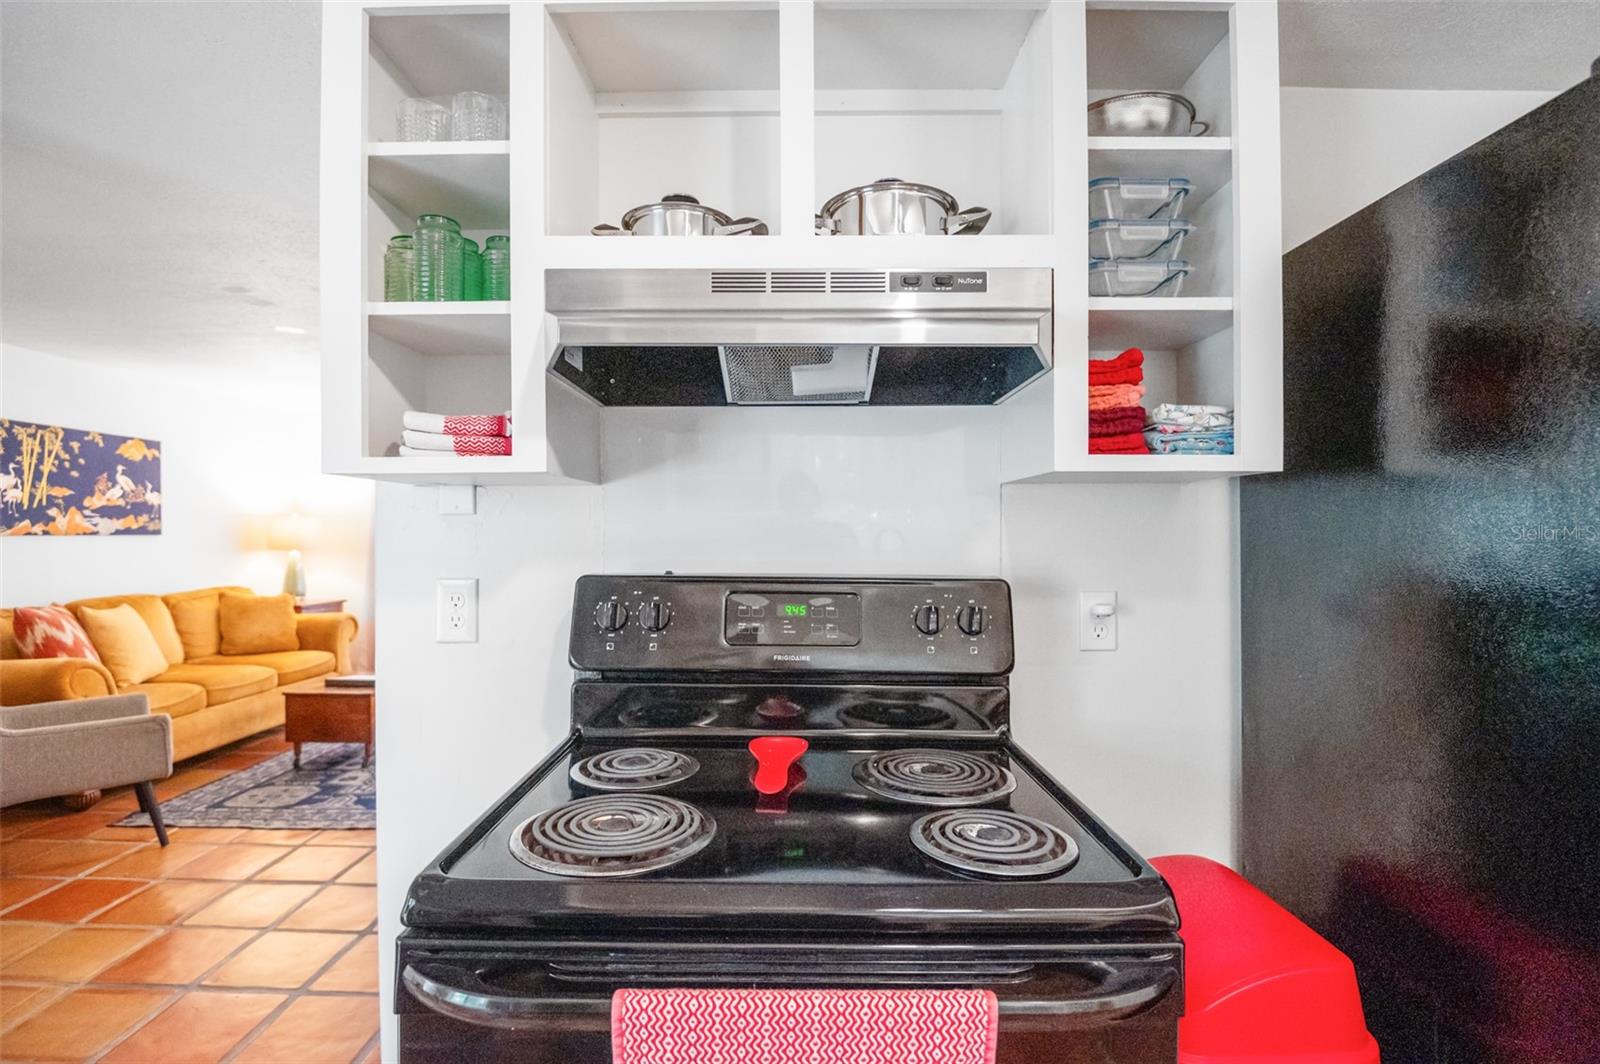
(928, 620)
(611, 616)
(911, 280)
(655, 615)
(943, 280)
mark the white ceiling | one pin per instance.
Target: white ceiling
(158, 179)
(1438, 44)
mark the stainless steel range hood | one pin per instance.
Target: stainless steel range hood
(800, 337)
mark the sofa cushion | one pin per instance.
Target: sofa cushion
(173, 699)
(222, 682)
(51, 632)
(194, 613)
(292, 666)
(156, 616)
(257, 624)
(124, 643)
(9, 651)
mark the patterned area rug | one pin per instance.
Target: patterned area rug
(329, 790)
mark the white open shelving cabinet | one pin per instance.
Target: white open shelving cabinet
(765, 109)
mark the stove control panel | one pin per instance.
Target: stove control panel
(792, 625)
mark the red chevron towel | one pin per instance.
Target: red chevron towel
(803, 1026)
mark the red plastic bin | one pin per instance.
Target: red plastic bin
(1261, 985)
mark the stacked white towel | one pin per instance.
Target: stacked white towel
(429, 435)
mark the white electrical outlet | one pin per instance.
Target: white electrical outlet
(457, 611)
(1097, 620)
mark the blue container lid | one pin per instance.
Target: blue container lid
(1174, 183)
(1170, 265)
(1172, 225)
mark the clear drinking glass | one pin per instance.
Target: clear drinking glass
(399, 269)
(422, 119)
(471, 270)
(497, 267)
(477, 116)
(436, 243)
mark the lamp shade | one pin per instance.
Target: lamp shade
(288, 531)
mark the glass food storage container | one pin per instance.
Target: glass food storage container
(1137, 277)
(497, 267)
(399, 269)
(1138, 198)
(1111, 238)
(437, 245)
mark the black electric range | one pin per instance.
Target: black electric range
(911, 843)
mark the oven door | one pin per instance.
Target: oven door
(551, 1002)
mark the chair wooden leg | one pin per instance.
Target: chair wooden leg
(152, 808)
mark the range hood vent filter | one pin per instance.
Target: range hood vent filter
(763, 374)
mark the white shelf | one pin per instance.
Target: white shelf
(1207, 161)
(1156, 323)
(470, 181)
(437, 53)
(445, 329)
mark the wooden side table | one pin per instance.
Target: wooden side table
(316, 713)
(319, 606)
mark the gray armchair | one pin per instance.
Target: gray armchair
(58, 748)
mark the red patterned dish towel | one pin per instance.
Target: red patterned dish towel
(803, 1026)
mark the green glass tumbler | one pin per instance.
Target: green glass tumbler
(437, 246)
(497, 267)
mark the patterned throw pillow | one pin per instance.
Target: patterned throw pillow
(51, 632)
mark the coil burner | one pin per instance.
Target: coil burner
(612, 835)
(637, 768)
(934, 777)
(993, 842)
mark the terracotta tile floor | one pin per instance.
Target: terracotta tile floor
(228, 945)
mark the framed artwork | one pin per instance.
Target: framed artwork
(71, 482)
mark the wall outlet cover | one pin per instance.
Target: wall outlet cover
(456, 610)
(1097, 620)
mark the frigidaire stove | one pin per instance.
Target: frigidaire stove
(788, 783)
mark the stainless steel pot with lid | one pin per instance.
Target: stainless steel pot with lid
(892, 207)
(681, 215)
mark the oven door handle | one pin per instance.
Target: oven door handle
(460, 994)
(1119, 996)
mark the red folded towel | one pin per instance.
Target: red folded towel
(803, 1026)
(1131, 359)
(1116, 421)
(1127, 443)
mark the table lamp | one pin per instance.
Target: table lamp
(287, 532)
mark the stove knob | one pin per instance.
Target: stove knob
(970, 620)
(611, 616)
(655, 615)
(928, 620)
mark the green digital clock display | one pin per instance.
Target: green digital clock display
(794, 609)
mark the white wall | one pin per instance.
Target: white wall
(1346, 148)
(235, 447)
(1145, 735)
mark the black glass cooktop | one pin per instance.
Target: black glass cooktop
(836, 848)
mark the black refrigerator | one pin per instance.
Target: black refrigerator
(1420, 596)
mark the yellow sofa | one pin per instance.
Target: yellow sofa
(212, 698)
